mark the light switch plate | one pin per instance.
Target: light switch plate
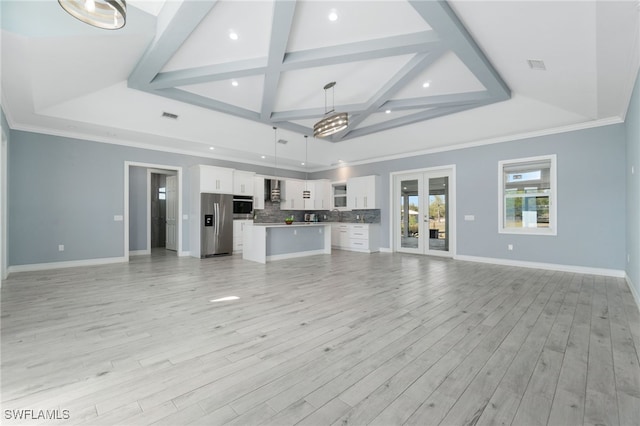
(469, 217)
(118, 218)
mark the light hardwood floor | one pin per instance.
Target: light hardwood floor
(342, 339)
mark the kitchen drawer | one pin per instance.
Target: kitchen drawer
(359, 244)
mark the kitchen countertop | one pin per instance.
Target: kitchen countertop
(283, 225)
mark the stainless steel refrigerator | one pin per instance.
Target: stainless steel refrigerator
(216, 232)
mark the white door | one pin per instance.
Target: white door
(172, 213)
(423, 212)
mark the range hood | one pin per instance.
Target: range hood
(269, 186)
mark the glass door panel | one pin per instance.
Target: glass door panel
(438, 213)
(409, 214)
(422, 210)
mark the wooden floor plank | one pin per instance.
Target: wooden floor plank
(347, 338)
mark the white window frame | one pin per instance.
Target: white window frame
(552, 230)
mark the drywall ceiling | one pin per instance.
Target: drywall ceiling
(414, 76)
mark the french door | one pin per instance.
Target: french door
(423, 216)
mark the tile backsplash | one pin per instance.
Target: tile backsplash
(272, 214)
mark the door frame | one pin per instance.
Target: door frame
(451, 205)
(178, 170)
(166, 172)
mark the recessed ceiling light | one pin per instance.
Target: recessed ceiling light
(333, 15)
(263, 156)
(302, 164)
(211, 148)
(234, 83)
(426, 84)
(233, 35)
(388, 111)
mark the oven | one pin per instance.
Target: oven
(242, 204)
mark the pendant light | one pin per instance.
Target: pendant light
(275, 188)
(105, 14)
(306, 193)
(330, 124)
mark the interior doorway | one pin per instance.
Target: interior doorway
(169, 206)
(162, 220)
(423, 219)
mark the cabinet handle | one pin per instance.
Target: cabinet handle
(365, 201)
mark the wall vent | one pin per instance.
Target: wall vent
(536, 64)
(282, 141)
(170, 115)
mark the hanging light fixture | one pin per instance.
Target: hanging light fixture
(275, 188)
(333, 123)
(105, 14)
(306, 193)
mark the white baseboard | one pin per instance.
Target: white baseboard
(139, 252)
(634, 292)
(66, 264)
(549, 266)
(385, 250)
(184, 253)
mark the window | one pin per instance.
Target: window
(527, 201)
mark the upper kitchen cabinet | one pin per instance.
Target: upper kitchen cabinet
(291, 195)
(320, 195)
(363, 192)
(217, 180)
(258, 193)
(243, 182)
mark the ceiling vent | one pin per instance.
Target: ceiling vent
(282, 141)
(536, 64)
(170, 115)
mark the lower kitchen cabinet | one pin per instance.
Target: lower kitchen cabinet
(363, 237)
(238, 230)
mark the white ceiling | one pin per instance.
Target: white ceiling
(61, 76)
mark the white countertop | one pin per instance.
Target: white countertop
(284, 225)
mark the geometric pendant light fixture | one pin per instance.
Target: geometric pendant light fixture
(333, 123)
(105, 14)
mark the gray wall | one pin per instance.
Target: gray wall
(632, 125)
(591, 197)
(6, 135)
(67, 191)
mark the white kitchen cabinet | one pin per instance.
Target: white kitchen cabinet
(243, 183)
(291, 195)
(238, 231)
(363, 192)
(363, 237)
(258, 193)
(218, 180)
(320, 195)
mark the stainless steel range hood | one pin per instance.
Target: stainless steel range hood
(269, 193)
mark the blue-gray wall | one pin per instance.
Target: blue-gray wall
(67, 191)
(632, 126)
(138, 201)
(591, 197)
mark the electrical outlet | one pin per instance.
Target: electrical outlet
(61, 247)
(510, 247)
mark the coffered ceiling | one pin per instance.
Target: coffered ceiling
(414, 76)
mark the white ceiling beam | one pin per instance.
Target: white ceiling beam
(445, 22)
(175, 23)
(362, 51)
(209, 73)
(283, 12)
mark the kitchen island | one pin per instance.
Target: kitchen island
(263, 242)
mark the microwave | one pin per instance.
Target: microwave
(242, 204)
